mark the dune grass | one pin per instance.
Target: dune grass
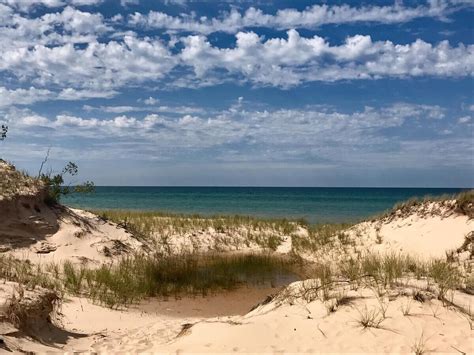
(463, 204)
(147, 222)
(163, 276)
(320, 235)
(134, 278)
(139, 276)
(228, 231)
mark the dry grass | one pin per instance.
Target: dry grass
(321, 235)
(14, 182)
(419, 345)
(227, 231)
(140, 276)
(462, 203)
(28, 313)
(370, 318)
(465, 203)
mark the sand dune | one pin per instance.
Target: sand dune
(352, 317)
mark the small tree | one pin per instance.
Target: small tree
(3, 132)
(54, 184)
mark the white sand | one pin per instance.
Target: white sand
(220, 323)
(427, 237)
(82, 237)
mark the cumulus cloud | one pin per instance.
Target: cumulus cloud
(99, 66)
(23, 96)
(73, 54)
(291, 61)
(70, 25)
(27, 5)
(280, 62)
(311, 18)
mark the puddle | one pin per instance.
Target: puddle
(226, 303)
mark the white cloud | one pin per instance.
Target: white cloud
(125, 3)
(312, 17)
(464, 119)
(99, 66)
(23, 96)
(80, 55)
(151, 101)
(239, 134)
(31, 95)
(149, 108)
(291, 61)
(26, 5)
(279, 62)
(68, 26)
(73, 94)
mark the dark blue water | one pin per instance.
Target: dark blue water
(313, 204)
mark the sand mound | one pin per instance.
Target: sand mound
(81, 237)
(290, 324)
(27, 316)
(427, 230)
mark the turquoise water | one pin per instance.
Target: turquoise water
(313, 204)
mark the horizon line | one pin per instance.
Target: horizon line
(281, 186)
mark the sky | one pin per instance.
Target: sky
(241, 93)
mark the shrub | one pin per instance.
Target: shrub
(55, 184)
(3, 132)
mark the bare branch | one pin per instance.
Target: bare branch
(44, 162)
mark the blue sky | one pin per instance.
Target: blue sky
(259, 93)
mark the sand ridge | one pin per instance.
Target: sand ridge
(409, 316)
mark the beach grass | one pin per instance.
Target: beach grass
(228, 231)
(175, 275)
(463, 203)
(320, 235)
(136, 277)
(140, 276)
(147, 222)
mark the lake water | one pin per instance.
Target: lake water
(312, 203)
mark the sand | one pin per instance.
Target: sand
(81, 237)
(225, 322)
(426, 236)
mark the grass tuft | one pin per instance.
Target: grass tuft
(370, 318)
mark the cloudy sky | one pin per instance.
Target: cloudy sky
(260, 93)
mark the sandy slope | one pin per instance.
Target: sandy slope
(309, 328)
(424, 235)
(221, 323)
(81, 237)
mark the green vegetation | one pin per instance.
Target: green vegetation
(320, 235)
(140, 276)
(229, 231)
(147, 223)
(167, 273)
(3, 132)
(464, 204)
(143, 276)
(55, 183)
(13, 182)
